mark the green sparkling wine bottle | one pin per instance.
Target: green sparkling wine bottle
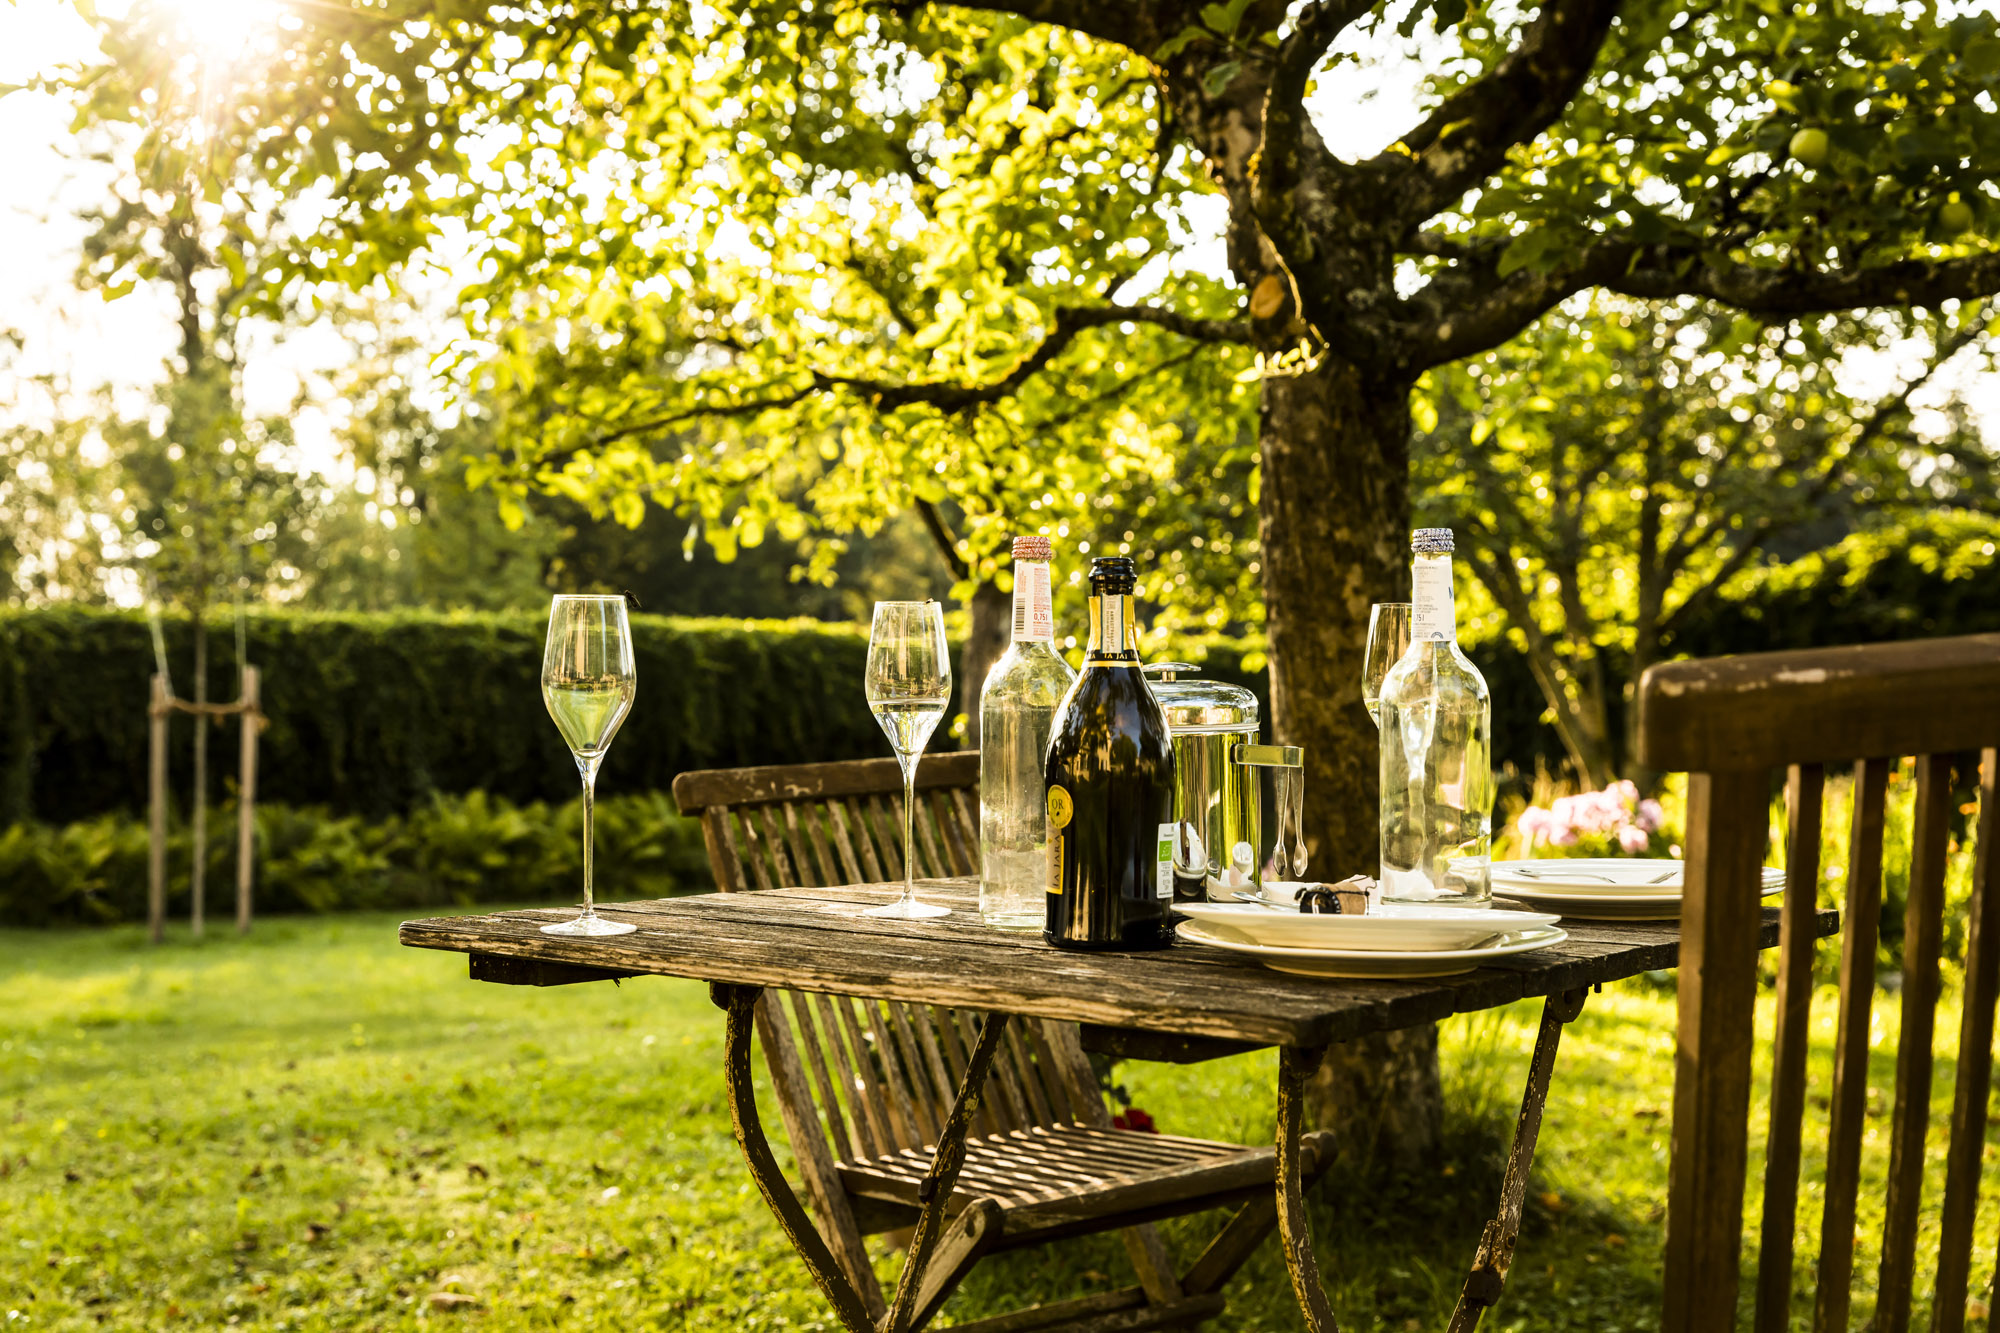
(1110, 777)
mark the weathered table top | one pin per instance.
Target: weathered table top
(816, 940)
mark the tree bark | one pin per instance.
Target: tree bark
(1333, 523)
(991, 630)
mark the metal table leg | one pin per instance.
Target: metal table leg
(1496, 1246)
(1297, 1065)
(740, 1002)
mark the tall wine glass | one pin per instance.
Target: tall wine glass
(909, 688)
(1388, 640)
(588, 680)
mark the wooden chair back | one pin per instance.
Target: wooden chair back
(1729, 723)
(881, 1075)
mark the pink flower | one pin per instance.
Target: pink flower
(1536, 822)
(1633, 839)
(1650, 816)
(1627, 790)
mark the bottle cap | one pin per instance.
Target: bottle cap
(1431, 541)
(1033, 548)
(1113, 574)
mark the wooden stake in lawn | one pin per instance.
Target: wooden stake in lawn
(164, 705)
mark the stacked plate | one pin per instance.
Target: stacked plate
(1388, 942)
(1603, 888)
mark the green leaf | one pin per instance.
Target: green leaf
(1177, 43)
(1225, 18)
(1218, 78)
(1528, 250)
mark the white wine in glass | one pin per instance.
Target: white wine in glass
(1388, 640)
(909, 689)
(588, 680)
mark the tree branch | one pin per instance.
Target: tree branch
(948, 397)
(1469, 307)
(1467, 138)
(1662, 271)
(1280, 167)
(941, 537)
(1068, 323)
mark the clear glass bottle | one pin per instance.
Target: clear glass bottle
(1017, 707)
(1437, 753)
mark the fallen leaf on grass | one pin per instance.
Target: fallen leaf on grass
(1615, 1241)
(317, 1232)
(454, 1300)
(1553, 1201)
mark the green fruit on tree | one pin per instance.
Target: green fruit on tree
(1955, 217)
(1810, 147)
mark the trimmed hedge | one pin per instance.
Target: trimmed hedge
(450, 851)
(375, 714)
(372, 714)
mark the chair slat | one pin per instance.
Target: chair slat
(885, 823)
(910, 1125)
(813, 817)
(1004, 1079)
(930, 865)
(951, 1056)
(999, 1101)
(1718, 995)
(788, 824)
(846, 1144)
(723, 860)
(837, 816)
(783, 873)
(888, 1129)
(1054, 1086)
(1860, 928)
(1031, 1085)
(754, 851)
(1923, 931)
(931, 1105)
(1966, 1155)
(1804, 786)
(875, 1140)
(967, 819)
(958, 860)
(931, 1097)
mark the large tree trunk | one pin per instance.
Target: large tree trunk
(991, 630)
(1334, 527)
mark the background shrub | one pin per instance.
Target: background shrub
(450, 851)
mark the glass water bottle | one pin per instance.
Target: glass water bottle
(1017, 707)
(1437, 753)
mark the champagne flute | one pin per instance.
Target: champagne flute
(1388, 640)
(909, 688)
(588, 680)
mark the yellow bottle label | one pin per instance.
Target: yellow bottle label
(1061, 808)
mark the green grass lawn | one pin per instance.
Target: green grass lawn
(318, 1129)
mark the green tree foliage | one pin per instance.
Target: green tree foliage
(1615, 469)
(887, 254)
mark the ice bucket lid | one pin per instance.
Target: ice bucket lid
(1200, 705)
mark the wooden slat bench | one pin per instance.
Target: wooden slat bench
(864, 1085)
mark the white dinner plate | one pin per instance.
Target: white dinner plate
(1373, 964)
(1573, 906)
(1384, 930)
(1577, 877)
